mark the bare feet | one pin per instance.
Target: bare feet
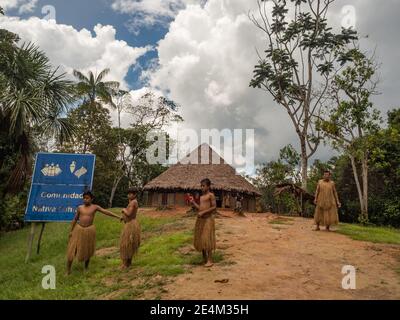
(69, 266)
(209, 264)
(204, 257)
(317, 229)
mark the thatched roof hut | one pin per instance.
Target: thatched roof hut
(186, 175)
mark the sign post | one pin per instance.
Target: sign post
(40, 237)
(30, 242)
(58, 182)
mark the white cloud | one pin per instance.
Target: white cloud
(73, 49)
(23, 6)
(156, 7)
(206, 62)
(149, 13)
(207, 58)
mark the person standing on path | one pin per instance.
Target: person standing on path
(327, 203)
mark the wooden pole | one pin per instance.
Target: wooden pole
(40, 237)
(30, 241)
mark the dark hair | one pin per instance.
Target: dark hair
(132, 191)
(207, 182)
(88, 193)
(327, 171)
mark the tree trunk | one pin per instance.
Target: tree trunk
(304, 163)
(113, 191)
(364, 164)
(358, 185)
(302, 208)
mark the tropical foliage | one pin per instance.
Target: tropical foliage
(301, 58)
(321, 78)
(34, 97)
(383, 179)
(41, 110)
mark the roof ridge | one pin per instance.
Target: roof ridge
(196, 155)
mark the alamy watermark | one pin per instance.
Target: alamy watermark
(349, 280)
(348, 16)
(49, 12)
(49, 280)
(349, 19)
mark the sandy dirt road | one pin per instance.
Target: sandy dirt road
(264, 260)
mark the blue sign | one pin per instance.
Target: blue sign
(57, 185)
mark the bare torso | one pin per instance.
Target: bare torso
(130, 212)
(87, 214)
(206, 203)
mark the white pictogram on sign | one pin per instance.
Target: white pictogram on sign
(51, 170)
(72, 166)
(78, 173)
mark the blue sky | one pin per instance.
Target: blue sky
(83, 14)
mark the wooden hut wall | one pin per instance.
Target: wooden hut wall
(157, 199)
(180, 199)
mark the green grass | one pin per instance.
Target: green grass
(371, 234)
(196, 259)
(281, 221)
(158, 256)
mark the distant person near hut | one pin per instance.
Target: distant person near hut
(130, 236)
(226, 201)
(327, 203)
(239, 206)
(82, 237)
(204, 233)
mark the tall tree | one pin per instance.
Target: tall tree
(385, 163)
(94, 134)
(300, 61)
(92, 87)
(291, 158)
(34, 96)
(274, 173)
(151, 112)
(353, 120)
(91, 122)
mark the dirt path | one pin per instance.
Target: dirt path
(274, 261)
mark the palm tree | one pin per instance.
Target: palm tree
(92, 88)
(34, 98)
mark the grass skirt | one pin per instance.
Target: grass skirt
(326, 216)
(82, 244)
(204, 234)
(130, 240)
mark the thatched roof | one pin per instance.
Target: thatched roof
(298, 192)
(202, 163)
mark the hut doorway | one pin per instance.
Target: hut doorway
(218, 198)
(164, 201)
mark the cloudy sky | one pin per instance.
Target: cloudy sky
(200, 53)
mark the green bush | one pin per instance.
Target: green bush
(350, 210)
(12, 212)
(392, 212)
